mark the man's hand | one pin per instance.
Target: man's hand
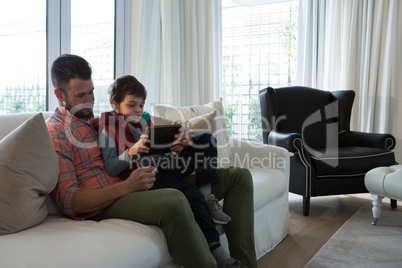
(90, 200)
(141, 179)
(139, 146)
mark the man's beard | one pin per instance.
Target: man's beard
(84, 114)
(82, 111)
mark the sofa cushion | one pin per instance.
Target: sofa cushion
(63, 242)
(29, 168)
(199, 124)
(187, 112)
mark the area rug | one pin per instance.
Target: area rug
(359, 244)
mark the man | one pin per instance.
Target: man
(85, 190)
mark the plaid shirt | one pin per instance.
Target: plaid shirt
(80, 159)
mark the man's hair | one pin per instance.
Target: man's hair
(67, 67)
(126, 85)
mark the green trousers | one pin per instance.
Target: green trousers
(169, 209)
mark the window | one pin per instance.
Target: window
(23, 56)
(32, 37)
(259, 50)
(92, 37)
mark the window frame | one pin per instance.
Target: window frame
(58, 24)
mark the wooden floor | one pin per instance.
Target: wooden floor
(308, 234)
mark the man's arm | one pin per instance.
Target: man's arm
(90, 200)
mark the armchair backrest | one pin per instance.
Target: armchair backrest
(308, 110)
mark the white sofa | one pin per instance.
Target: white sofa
(61, 242)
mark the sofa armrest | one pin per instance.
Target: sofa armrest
(376, 140)
(285, 140)
(254, 155)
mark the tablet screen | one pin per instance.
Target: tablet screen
(162, 138)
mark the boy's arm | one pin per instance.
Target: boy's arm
(114, 163)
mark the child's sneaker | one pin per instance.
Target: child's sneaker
(218, 216)
(232, 263)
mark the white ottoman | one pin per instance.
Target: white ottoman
(384, 182)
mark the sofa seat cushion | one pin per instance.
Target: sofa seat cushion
(350, 161)
(268, 186)
(62, 242)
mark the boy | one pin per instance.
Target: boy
(122, 140)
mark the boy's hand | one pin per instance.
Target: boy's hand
(184, 139)
(139, 146)
(176, 149)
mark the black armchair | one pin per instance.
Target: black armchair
(314, 125)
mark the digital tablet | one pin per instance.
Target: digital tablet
(162, 138)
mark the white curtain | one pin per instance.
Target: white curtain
(310, 43)
(356, 45)
(179, 51)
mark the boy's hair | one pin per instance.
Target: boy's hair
(126, 85)
(67, 67)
